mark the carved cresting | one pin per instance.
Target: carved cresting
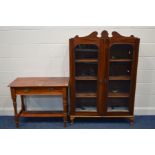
(117, 35)
(104, 34)
(92, 35)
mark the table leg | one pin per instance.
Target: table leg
(22, 101)
(65, 106)
(13, 94)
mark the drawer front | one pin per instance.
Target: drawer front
(39, 91)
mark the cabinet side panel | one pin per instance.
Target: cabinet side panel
(72, 75)
(134, 76)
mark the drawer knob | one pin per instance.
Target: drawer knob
(26, 90)
(50, 89)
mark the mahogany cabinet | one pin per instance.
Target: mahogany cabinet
(103, 75)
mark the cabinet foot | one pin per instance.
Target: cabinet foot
(17, 122)
(72, 120)
(65, 122)
(131, 121)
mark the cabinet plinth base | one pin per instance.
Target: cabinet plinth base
(130, 118)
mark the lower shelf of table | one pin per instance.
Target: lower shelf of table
(41, 114)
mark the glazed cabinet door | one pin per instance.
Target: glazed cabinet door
(84, 78)
(86, 75)
(120, 79)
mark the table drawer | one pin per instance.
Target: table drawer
(31, 91)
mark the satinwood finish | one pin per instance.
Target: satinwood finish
(103, 75)
(39, 86)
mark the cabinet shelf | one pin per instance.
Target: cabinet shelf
(120, 60)
(119, 78)
(116, 109)
(86, 60)
(86, 109)
(85, 78)
(118, 95)
(86, 95)
(87, 50)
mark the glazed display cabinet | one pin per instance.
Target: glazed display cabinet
(103, 75)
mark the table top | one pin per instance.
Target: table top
(40, 82)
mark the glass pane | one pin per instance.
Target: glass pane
(85, 86)
(117, 104)
(86, 104)
(120, 68)
(86, 69)
(119, 86)
(121, 51)
(84, 51)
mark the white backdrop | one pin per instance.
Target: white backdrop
(43, 51)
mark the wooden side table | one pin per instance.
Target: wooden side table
(39, 86)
